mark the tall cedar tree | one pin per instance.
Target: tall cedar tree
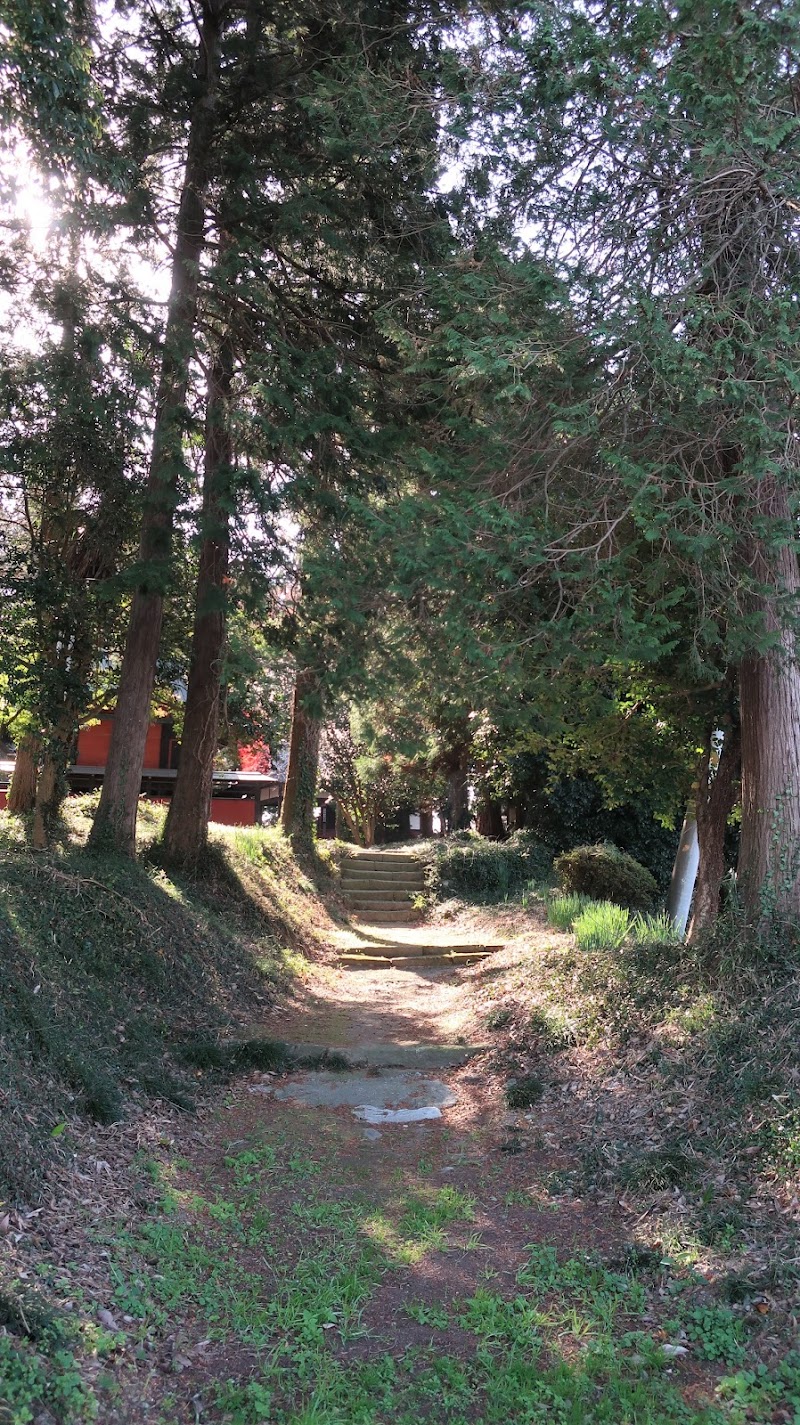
(325, 223)
(654, 153)
(65, 410)
(115, 821)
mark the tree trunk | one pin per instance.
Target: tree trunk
(426, 823)
(22, 792)
(52, 785)
(186, 830)
(489, 819)
(769, 700)
(299, 796)
(48, 798)
(716, 796)
(458, 796)
(115, 822)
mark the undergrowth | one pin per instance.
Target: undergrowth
(686, 1063)
(150, 960)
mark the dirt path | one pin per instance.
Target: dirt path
(347, 1008)
(280, 1263)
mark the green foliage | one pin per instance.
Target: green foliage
(563, 911)
(606, 873)
(167, 970)
(524, 1092)
(602, 925)
(482, 870)
(655, 930)
(715, 1333)
(537, 855)
(570, 811)
(758, 1393)
(47, 1378)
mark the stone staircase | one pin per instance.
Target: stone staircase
(411, 956)
(379, 886)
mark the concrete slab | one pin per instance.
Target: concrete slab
(369, 1114)
(386, 1091)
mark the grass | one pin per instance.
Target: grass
(571, 1337)
(601, 925)
(157, 964)
(563, 910)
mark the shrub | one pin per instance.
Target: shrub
(483, 869)
(607, 874)
(602, 926)
(563, 911)
(537, 855)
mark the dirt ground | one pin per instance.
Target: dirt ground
(267, 1263)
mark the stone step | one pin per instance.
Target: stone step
(373, 888)
(355, 877)
(382, 859)
(388, 952)
(381, 897)
(384, 1056)
(385, 915)
(410, 962)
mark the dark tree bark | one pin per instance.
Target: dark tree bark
(489, 819)
(769, 699)
(456, 763)
(299, 797)
(49, 795)
(115, 822)
(22, 791)
(716, 796)
(186, 830)
(426, 823)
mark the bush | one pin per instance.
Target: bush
(563, 911)
(602, 926)
(482, 869)
(607, 874)
(537, 855)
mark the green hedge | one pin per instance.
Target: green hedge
(489, 869)
(607, 874)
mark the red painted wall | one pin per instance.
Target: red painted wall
(94, 742)
(233, 811)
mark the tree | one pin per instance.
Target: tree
(655, 151)
(65, 406)
(115, 821)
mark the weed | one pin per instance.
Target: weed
(554, 1031)
(39, 1380)
(563, 911)
(715, 1333)
(758, 1394)
(498, 1018)
(524, 1092)
(602, 926)
(663, 1168)
(428, 1314)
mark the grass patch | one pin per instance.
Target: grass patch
(524, 1092)
(602, 925)
(563, 911)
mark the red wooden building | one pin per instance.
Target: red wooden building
(238, 798)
